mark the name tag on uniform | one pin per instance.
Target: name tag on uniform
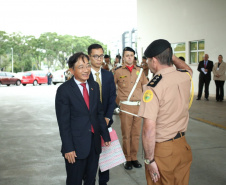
(122, 76)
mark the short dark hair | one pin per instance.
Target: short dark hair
(165, 58)
(94, 46)
(106, 56)
(144, 57)
(74, 58)
(220, 56)
(182, 58)
(135, 58)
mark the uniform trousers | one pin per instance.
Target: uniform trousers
(219, 89)
(83, 169)
(131, 128)
(173, 159)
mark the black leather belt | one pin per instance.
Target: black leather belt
(179, 135)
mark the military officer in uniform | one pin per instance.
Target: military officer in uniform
(164, 107)
(129, 79)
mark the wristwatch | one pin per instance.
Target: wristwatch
(147, 161)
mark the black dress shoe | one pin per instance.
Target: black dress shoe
(136, 164)
(198, 99)
(207, 99)
(128, 165)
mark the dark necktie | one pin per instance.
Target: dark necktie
(204, 64)
(86, 98)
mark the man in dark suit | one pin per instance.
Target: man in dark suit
(106, 83)
(205, 67)
(81, 122)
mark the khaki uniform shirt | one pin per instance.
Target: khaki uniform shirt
(166, 102)
(125, 82)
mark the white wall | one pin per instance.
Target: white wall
(184, 21)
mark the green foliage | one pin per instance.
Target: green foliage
(51, 49)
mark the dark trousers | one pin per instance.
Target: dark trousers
(219, 90)
(49, 81)
(83, 169)
(204, 81)
(103, 177)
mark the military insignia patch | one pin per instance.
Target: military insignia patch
(122, 76)
(155, 80)
(138, 72)
(148, 95)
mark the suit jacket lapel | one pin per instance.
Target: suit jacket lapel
(103, 80)
(91, 93)
(77, 92)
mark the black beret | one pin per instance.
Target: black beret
(129, 49)
(106, 56)
(118, 56)
(156, 47)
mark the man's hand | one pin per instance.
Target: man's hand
(107, 143)
(107, 120)
(70, 156)
(153, 171)
(206, 70)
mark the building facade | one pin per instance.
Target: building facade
(193, 28)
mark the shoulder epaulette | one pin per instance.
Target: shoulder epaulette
(182, 70)
(118, 67)
(155, 80)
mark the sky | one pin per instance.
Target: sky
(103, 20)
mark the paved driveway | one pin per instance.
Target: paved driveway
(30, 143)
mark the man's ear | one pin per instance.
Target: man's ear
(155, 61)
(71, 70)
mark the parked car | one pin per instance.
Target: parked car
(8, 78)
(58, 77)
(34, 77)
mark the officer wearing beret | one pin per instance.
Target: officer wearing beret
(129, 97)
(164, 107)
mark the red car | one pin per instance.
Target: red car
(34, 77)
(7, 78)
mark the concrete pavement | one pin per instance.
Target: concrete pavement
(30, 142)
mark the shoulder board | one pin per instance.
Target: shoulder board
(138, 66)
(182, 70)
(155, 80)
(118, 67)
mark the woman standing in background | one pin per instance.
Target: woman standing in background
(219, 69)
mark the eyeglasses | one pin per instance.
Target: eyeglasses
(84, 67)
(97, 56)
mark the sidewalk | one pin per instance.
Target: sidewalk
(211, 112)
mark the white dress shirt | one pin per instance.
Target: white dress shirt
(81, 87)
(94, 74)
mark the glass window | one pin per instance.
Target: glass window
(179, 49)
(2, 74)
(197, 51)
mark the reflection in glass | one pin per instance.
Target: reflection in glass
(201, 54)
(201, 45)
(193, 45)
(194, 57)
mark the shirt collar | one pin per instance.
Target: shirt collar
(124, 66)
(78, 82)
(166, 70)
(94, 72)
